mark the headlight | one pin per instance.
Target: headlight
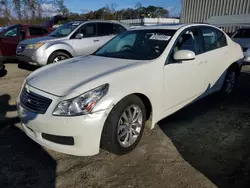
(82, 104)
(35, 46)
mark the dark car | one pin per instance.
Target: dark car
(10, 37)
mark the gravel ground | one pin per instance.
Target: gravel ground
(203, 145)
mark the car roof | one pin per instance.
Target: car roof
(99, 21)
(174, 26)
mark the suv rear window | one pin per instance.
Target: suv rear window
(35, 31)
(242, 33)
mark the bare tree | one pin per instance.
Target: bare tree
(18, 8)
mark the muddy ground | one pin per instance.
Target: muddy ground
(203, 145)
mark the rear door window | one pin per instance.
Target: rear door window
(34, 31)
(45, 31)
(118, 29)
(105, 29)
(213, 38)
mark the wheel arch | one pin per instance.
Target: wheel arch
(60, 50)
(146, 102)
(64, 51)
(236, 67)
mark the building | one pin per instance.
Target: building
(199, 11)
(150, 21)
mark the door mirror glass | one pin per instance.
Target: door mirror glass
(184, 55)
(79, 36)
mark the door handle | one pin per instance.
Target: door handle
(96, 40)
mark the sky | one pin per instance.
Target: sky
(78, 5)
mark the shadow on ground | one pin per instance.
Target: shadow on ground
(3, 72)
(26, 66)
(213, 135)
(23, 162)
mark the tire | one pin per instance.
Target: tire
(60, 55)
(230, 81)
(112, 135)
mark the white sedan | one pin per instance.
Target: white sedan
(103, 100)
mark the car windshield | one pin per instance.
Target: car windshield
(137, 44)
(65, 30)
(5, 27)
(242, 33)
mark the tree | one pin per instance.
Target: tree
(18, 8)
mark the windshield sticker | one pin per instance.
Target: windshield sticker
(160, 37)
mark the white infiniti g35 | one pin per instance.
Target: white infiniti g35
(103, 100)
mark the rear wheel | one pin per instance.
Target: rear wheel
(124, 126)
(57, 56)
(230, 81)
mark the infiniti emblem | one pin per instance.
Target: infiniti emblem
(32, 102)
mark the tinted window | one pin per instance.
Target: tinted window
(65, 30)
(88, 30)
(118, 28)
(45, 31)
(35, 31)
(12, 32)
(242, 33)
(138, 44)
(213, 38)
(105, 29)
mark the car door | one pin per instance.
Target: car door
(106, 31)
(216, 53)
(9, 41)
(90, 41)
(184, 81)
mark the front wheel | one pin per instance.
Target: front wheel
(124, 126)
(57, 56)
(230, 81)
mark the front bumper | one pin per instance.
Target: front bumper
(33, 57)
(85, 131)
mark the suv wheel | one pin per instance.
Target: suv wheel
(124, 126)
(57, 56)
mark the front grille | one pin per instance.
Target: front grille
(34, 102)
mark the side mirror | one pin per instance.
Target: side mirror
(79, 36)
(184, 55)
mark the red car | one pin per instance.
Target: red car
(10, 37)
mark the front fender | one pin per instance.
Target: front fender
(59, 46)
(108, 102)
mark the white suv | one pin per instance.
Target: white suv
(103, 100)
(72, 39)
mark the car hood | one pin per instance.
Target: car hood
(40, 39)
(65, 77)
(244, 42)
